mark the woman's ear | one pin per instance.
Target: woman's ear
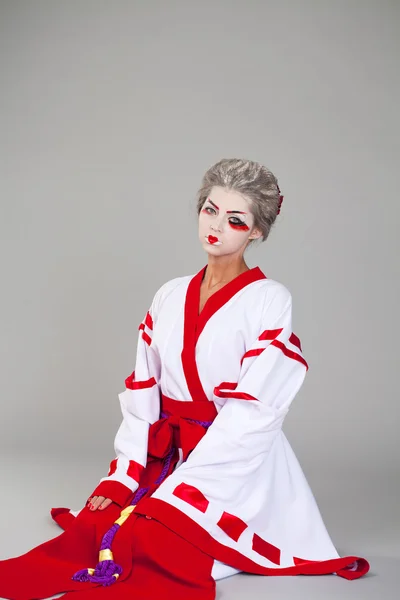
(255, 234)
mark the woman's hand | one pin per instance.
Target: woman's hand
(98, 502)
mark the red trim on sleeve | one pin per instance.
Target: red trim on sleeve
(191, 495)
(289, 353)
(269, 551)
(113, 467)
(131, 384)
(233, 526)
(148, 320)
(227, 385)
(146, 338)
(237, 395)
(184, 526)
(116, 491)
(295, 341)
(270, 334)
(249, 353)
(135, 470)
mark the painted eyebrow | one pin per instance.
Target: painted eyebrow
(239, 212)
(214, 205)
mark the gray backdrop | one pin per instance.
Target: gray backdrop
(110, 113)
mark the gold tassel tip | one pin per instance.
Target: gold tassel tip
(90, 571)
(125, 514)
(105, 555)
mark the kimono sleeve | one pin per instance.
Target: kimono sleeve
(140, 407)
(253, 408)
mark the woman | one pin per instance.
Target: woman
(204, 483)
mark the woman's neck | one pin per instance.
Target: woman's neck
(222, 271)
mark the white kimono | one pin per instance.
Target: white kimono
(241, 496)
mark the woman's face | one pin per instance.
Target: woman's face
(225, 223)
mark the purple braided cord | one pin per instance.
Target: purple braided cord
(107, 569)
(142, 491)
(167, 463)
(202, 423)
(109, 536)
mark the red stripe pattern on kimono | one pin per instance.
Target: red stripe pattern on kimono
(146, 327)
(292, 348)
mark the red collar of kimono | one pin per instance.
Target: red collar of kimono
(195, 322)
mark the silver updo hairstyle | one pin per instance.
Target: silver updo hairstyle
(250, 179)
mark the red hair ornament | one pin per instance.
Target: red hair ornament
(280, 200)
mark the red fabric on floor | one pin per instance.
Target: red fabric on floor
(48, 568)
(164, 567)
(158, 557)
(157, 563)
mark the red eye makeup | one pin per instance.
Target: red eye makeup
(208, 210)
(240, 226)
(234, 222)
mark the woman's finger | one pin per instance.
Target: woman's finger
(91, 501)
(97, 502)
(105, 504)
